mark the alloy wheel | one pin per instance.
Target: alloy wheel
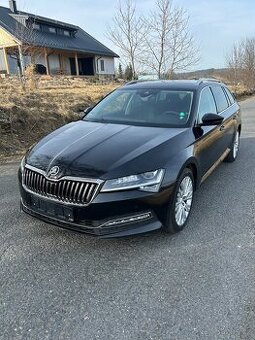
(184, 201)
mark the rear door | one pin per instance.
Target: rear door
(227, 111)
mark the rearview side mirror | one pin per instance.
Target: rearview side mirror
(211, 119)
(87, 110)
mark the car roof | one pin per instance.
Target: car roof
(187, 85)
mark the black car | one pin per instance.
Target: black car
(133, 163)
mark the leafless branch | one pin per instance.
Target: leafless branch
(168, 45)
(126, 32)
(241, 63)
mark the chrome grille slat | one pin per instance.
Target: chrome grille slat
(84, 193)
(72, 191)
(44, 186)
(90, 192)
(30, 180)
(33, 181)
(62, 191)
(76, 188)
(66, 190)
(79, 193)
(58, 190)
(37, 183)
(47, 186)
(40, 184)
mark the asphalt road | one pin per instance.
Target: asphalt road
(199, 284)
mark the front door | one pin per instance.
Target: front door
(208, 146)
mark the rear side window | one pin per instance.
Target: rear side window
(220, 98)
(206, 103)
(230, 96)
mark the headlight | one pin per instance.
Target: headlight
(148, 181)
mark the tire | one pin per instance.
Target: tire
(173, 222)
(234, 148)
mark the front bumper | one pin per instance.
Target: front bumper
(109, 215)
(97, 230)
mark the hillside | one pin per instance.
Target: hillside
(221, 73)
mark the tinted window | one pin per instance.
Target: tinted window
(206, 104)
(147, 107)
(230, 96)
(220, 98)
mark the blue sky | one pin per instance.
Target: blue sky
(216, 24)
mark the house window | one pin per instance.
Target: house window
(102, 65)
(52, 30)
(36, 26)
(67, 33)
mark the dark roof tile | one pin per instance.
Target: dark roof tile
(82, 42)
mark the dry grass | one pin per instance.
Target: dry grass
(27, 115)
(31, 110)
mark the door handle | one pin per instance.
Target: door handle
(222, 128)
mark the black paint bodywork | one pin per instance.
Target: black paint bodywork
(108, 151)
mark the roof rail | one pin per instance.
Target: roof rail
(142, 81)
(135, 82)
(208, 80)
(131, 82)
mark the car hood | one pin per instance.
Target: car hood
(94, 149)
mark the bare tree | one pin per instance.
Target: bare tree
(126, 32)
(248, 63)
(241, 64)
(157, 28)
(26, 53)
(168, 44)
(26, 34)
(183, 50)
(234, 64)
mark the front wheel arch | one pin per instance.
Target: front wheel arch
(191, 164)
(170, 224)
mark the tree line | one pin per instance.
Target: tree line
(159, 42)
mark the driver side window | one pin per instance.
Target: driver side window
(206, 104)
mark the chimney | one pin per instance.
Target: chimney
(13, 6)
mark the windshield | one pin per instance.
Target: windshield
(148, 107)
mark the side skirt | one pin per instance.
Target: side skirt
(214, 166)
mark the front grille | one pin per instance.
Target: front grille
(64, 190)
